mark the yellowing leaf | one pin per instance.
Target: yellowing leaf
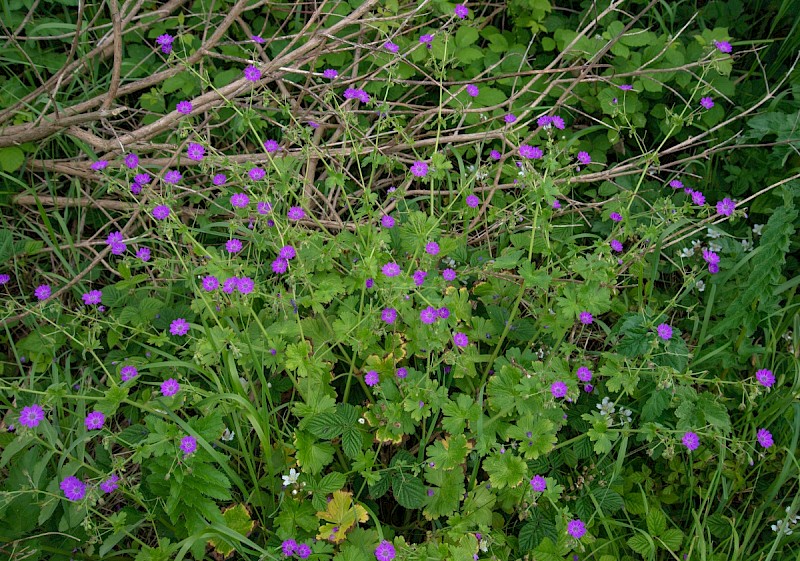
(343, 514)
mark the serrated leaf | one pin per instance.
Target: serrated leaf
(505, 470)
(538, 527)
(719, 526)
(326, 425)
(312, 456)
(610, 501)
(655, 405)
(671, 539)
(656, 522)
(334, 481)
(342, 514)
(642, 544)
(450, 452)
(352, 442)
(408, 491)
(237, 518)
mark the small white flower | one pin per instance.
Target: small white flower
(747, 245)
(715, 247)
(483, 545)
(606, 407)
(362, 420)
(228, 435)
(521, 173)
(481, 175)
(686, 252)
(471, 167)
(700, 285)
(713, 234)
(290, 479)
(757, 229)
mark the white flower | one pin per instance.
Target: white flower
(781, 527)
(700, 285)
(686, 252)
(715, 247)
(606, 407)
(362, 420)
(483, 545)
(713, 234)
(228, 435)
(757, 229)
(747, 245)
(290, 479)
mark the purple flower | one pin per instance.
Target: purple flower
(615, 216)
(288, 547)
(143, 253)
(188, 445)
(385, 551)
(664, 331)
(131, 161)
(419, 277)
(263, 208)
(303, 551)
(558, 122)
(179, 327)
(538, 483)
(369, 283)
(219, 179)
(161, 212)
(195, 151)
(287, 252)
(170, 387)
(473, 201)
(443, 312)
(99, 164)
(707, 102)
(172, 176)
(723, 46)
(330, 73)
(472, 90)
(252, 73)
(616, 245)
(141, 179)
(710, 257)
(391, 269)
(279, 266)
(576, 529)
(74, 489)
(626, 87)
(94, 420)
(558, 389)
(389, 315)
(495, 155)
(429, 315)
(165, 41)
(426, 39)
(258, 39)
(92, 297)
(432, 248)
(584, 374)
(691, 441)
(230, 285)
(510, 118)
(401, 373)
(449, 275)
(544, 121)
(586, 318)
(4, 278)
(245, 285)
(359, 94)
(461, 11)
(460, 340)
(419, 169)
(764, 438)
(233, 246)
(43, 292)
(725, 207)
(271, 146)
(239, 200)
(391, 47)
(698, 198)
(184, 107)
(584, 158)
(296, 213)
(676, 184)
(371, 378)
(256, 174)
(765, 377)
(387, 221)
(530, 152)
(31, 416)
(128, 373)
(110, 485)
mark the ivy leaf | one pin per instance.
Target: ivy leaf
(342, 514)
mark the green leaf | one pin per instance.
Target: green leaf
(656, 522)
(409, 491)
(714, 412)
(325, 425)
(538, 527)
(642, 544)
(610, 501)
(449, 453)
(465, 36)
(719, 526)
(11, 158)
(505, 470)
(312, 456)
(671, 539)
(655, 405)
(334, 481)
